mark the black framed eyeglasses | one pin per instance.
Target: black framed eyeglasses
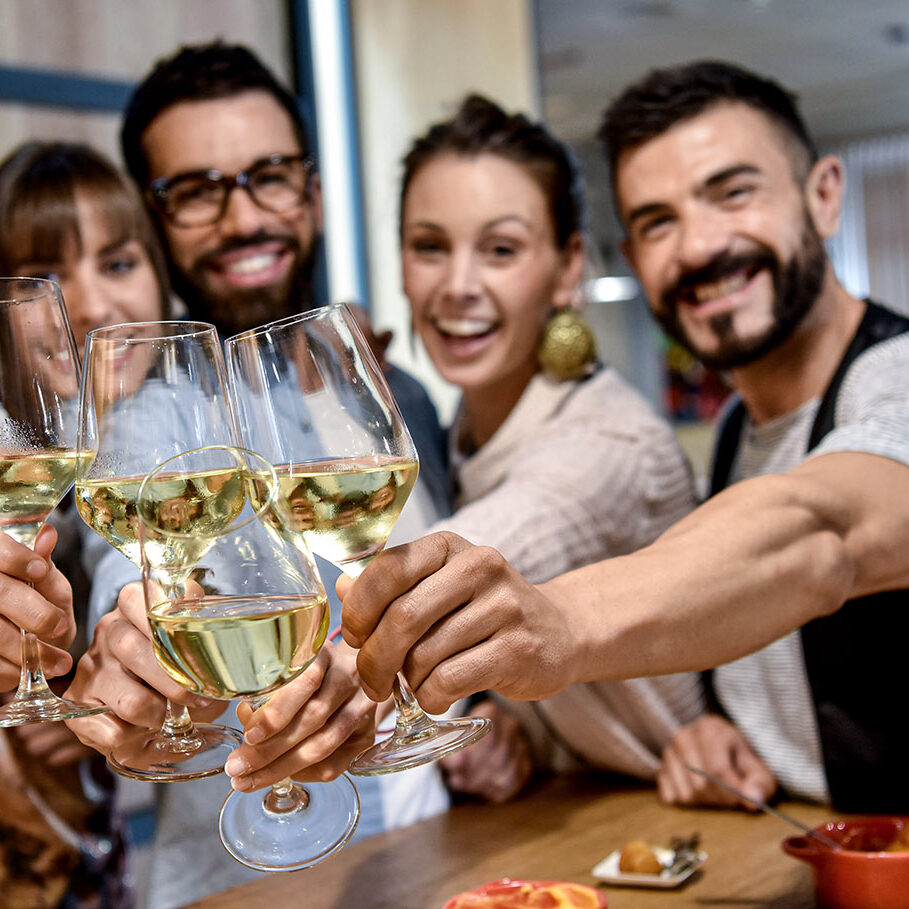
(197, 199)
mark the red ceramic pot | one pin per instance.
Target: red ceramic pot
(860, 875)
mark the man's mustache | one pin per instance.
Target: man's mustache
(232, 244)
(719, 267)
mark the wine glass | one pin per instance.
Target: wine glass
(151, 390)
(39, 386)
(310, 396)
(237, 609)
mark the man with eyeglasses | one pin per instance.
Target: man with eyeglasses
(219, 149)
(221, 155)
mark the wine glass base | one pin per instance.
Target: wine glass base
(302, 837)
(149, 755)
(403, 752)
(49, 709)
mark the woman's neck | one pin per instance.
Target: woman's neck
(487, 408)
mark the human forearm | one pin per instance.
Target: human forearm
(750, 565)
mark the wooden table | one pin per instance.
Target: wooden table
(558, 832)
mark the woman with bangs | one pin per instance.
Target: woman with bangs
(70, 216)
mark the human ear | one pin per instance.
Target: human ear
(824, 189)
(571, 271)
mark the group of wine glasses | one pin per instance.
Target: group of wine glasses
(219, 474)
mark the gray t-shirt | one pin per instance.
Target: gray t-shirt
(766, 693)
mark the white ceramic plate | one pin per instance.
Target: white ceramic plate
(608, 871)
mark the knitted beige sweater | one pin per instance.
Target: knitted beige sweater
(577, 473)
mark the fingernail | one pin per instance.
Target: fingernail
(255, 735)
(241, 784)
(36, 569)
(236, 767)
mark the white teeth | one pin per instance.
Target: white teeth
(252, 264)
(465, 328)
(722, 288)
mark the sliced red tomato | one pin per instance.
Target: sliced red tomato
(519, 894)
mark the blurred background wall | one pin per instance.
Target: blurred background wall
(372, 74)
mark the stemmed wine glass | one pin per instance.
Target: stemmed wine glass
(151, 390)
(237, 609)
(310, 396)
(39, 386)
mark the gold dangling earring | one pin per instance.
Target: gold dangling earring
(567, 348)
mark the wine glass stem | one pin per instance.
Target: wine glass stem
(410, 718)
(32, 683)
(286, 796)
(177, 731)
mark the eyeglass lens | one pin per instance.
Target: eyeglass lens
(275, 185)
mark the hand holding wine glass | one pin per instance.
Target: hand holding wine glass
(150, 391)
(237, 610)
(311, 397)
(39, 380)
(37, 597)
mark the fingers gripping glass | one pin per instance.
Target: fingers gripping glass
(277, 183)
(39, 387)
(236, 610)
(311, 397)
(150, 390)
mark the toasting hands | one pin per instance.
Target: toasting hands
(36, 597)
(457, 618)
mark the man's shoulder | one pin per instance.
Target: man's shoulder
(408, 391)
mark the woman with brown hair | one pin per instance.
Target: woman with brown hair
(69, 215)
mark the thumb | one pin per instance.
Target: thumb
(343, 585)
(757, 781)
(45, 541)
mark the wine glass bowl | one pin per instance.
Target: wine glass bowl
(39, 455)
(151, 390)
(311, 397)
(236, 610)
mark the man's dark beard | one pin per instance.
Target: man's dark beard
(796, 287)
(241, 309)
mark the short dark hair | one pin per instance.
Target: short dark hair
(482, 127)
(665, 97)
(199, 72)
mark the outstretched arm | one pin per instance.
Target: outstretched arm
(752, 564)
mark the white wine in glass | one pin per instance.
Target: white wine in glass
(236, 610)
(39, 457)
(310, 396)
(151, 390)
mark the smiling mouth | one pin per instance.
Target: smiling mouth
(251, 265)
(465, 328)
(710, 291)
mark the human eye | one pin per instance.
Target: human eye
(192, 191)
(653, 227)
(501, 250)
(427, 245)
(736, 194)
(119, 266)
(275, 174)
(46, 272)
